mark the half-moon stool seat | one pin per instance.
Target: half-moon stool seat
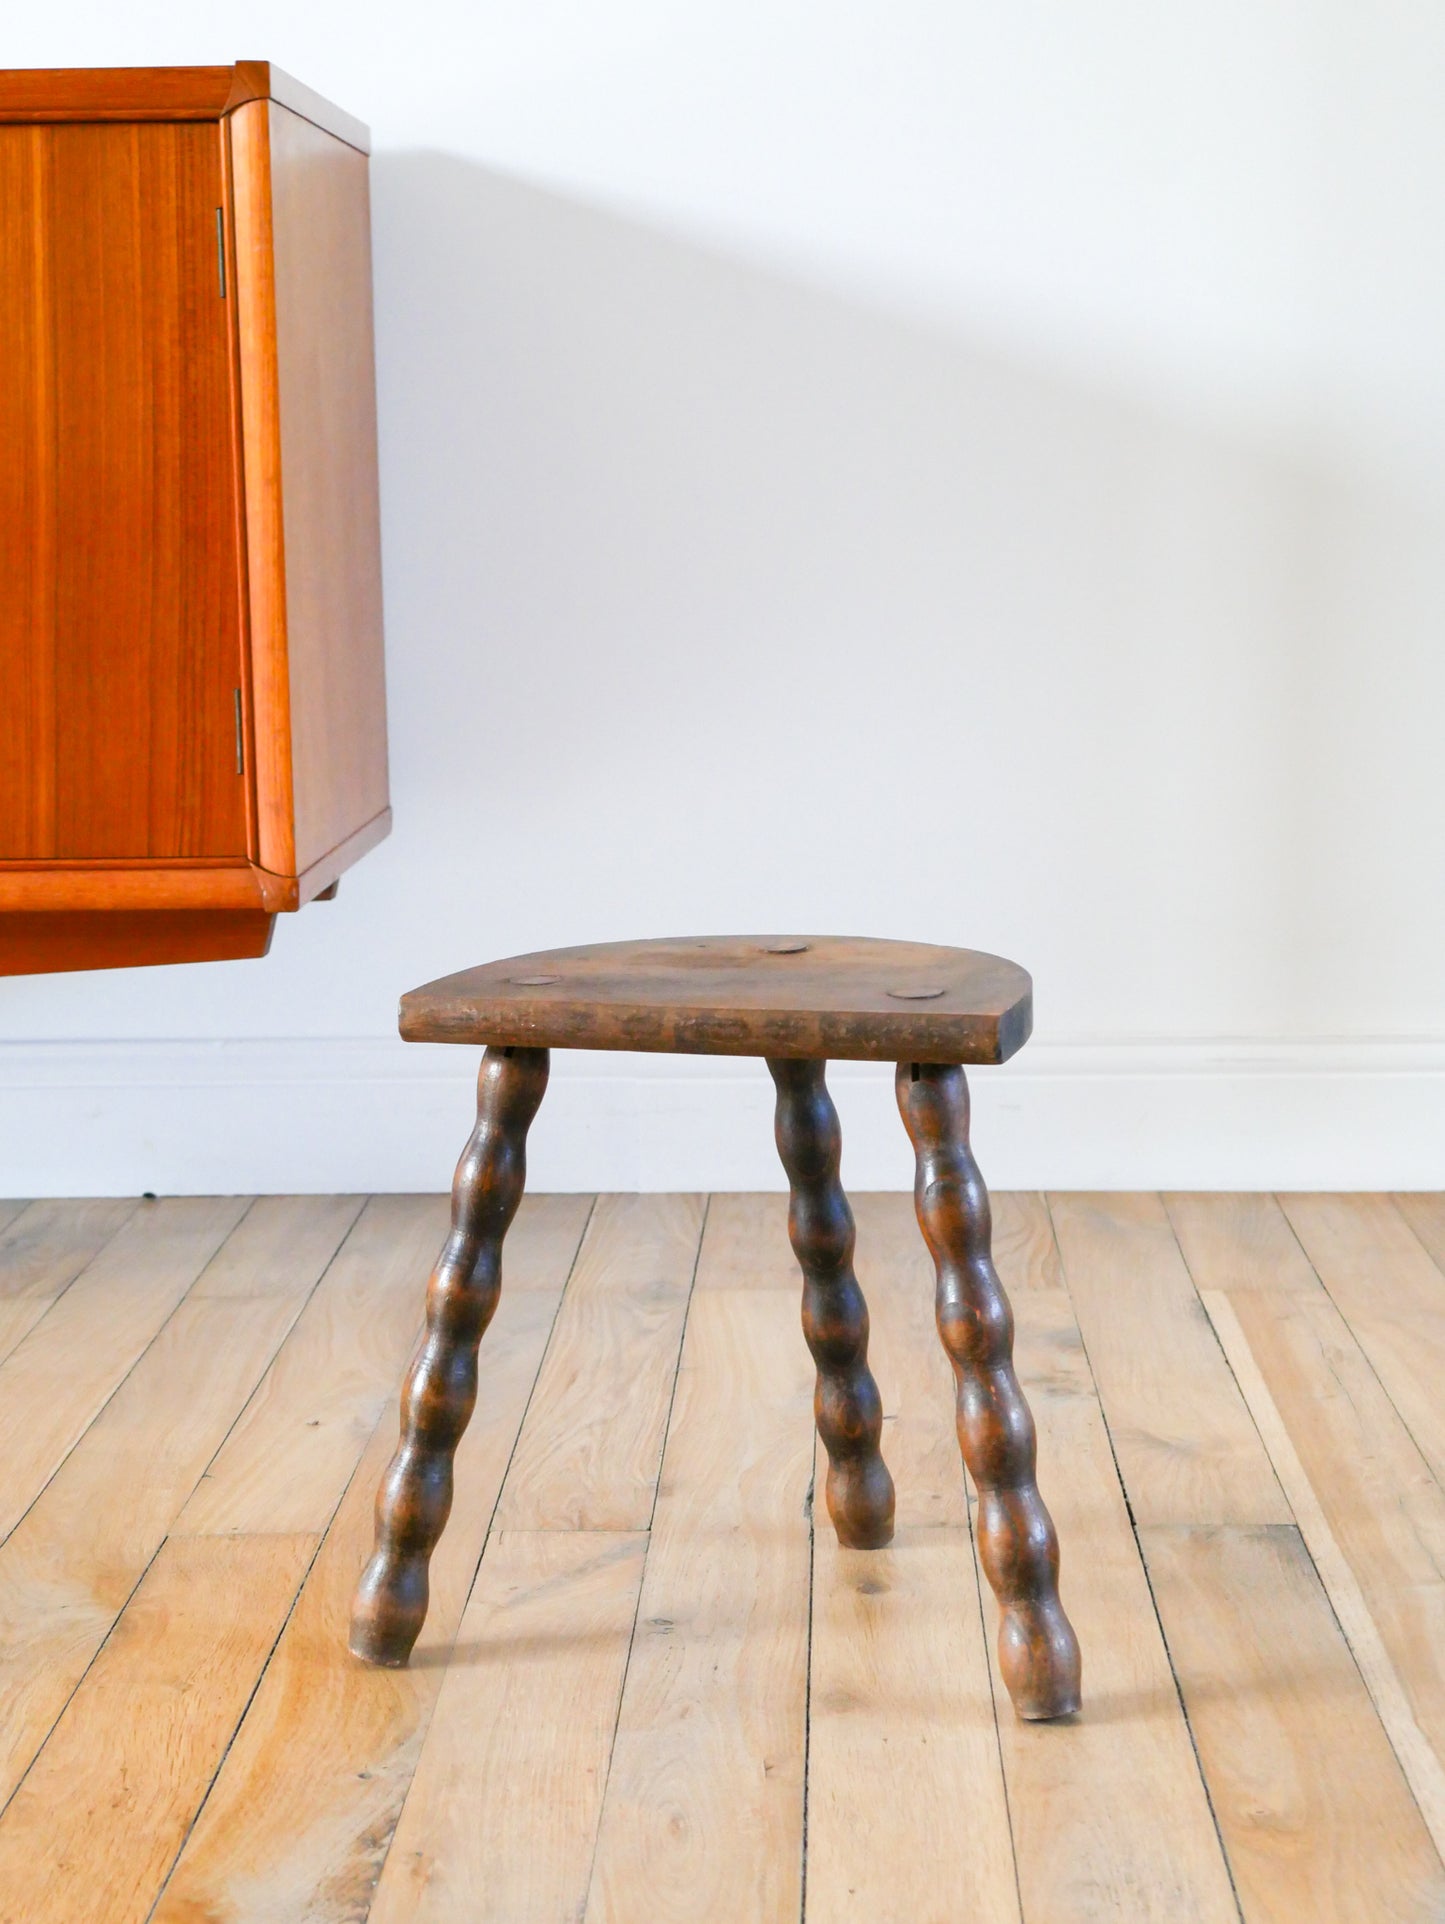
(795, 1001)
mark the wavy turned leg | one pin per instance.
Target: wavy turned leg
(835, 1317)
(1038, 1651)
(440, 1391)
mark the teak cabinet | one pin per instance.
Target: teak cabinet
(192, 705)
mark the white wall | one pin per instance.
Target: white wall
(960, 472)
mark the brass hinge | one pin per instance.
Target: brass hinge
(221, 250)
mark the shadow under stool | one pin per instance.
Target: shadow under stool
(796, 1001)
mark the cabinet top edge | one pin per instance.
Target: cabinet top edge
(37, 94)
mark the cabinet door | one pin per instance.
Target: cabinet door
(120, 619)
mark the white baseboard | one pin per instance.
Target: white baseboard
(118, 1118)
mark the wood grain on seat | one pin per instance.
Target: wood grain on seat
(776, 995)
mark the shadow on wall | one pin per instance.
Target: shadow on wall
(714, 599)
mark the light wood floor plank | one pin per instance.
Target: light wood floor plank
(501, 1817)
(303, 1810)
(1024, 1250)
(92, 1830)
(287, 1461)
(1109, 1813)
(746, 1245)
(1312, 1828)
(1370, 1512)
(1084, 1793)
(1425, 1213)
(43, 1247)
(915, 1379)
(605, 1290)
(906, 1803)
(588, 1458)
(53, 1383)
(1391, 1294)
(288, 1458)
(702, 1817)
(908, 1362)
(1323, 1746)
(1240, 1242)
(902, 1735)
(740, 1251)
(1316, 1814)
(1186, 1446)
(69, 1566)
(282, 1239)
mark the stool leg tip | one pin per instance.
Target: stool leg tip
(389, 1609)
(1039, 1658)
(861, 1502)
(378, 1655)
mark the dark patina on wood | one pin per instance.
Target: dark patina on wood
(415, 1497)
(846, 1404)
(1038, 1651)
(794, 1000)
(848, 997)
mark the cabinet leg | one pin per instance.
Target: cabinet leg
(846, 1403)
(1038, 1651)
(440, 1390)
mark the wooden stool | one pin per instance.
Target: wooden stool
(795, 1001)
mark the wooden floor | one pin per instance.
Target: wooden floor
(649, 1689)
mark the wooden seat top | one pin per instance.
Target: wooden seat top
(742, 995)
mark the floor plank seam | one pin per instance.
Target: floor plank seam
(95, 1656)
(681, 1346)
(229, 1744)
(970, 1504)
(311, 1562)
(1349, 1642)
(1293, 1554)
(130, 1594)
(1423, 1770)
(1143, 1559)
(306, 1573)
(642, 1580)
(1340, 1311)
(261, 1673)
(1257, 1397)
(810, 1510)
(135, 1363)
(71, 1281)
(1228, 1359)
(281, 1343)
(486, 1535)
(1415, 1236)
(245, 1405)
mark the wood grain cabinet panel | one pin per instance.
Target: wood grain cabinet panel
(192, 700)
